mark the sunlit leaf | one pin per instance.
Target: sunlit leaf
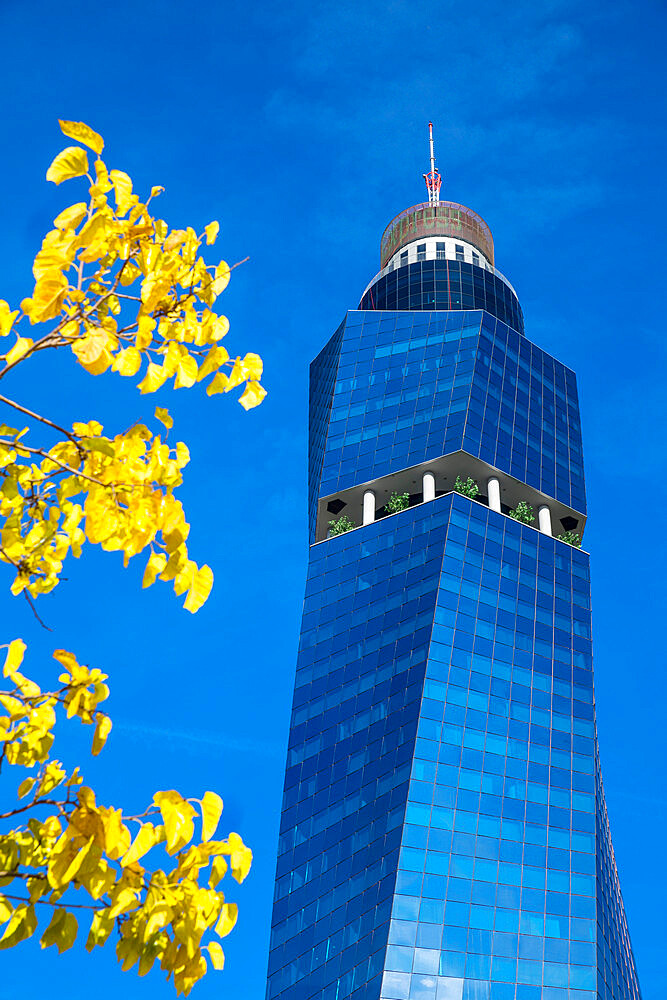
(212, 231)
(82, 133)
(70, 217)
(102, 730)
(217, 955)
(252, 396)
(200, 589)
(211, 810)
(71, 162)
(163, 416)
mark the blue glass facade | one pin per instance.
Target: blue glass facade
(444, 834)
(445, 284)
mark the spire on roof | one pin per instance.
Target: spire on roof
(433, 179)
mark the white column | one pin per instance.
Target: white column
(369, 507)
(544, 519)
(428, 486)
(493, 491)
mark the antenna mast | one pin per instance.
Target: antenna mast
(433, 179)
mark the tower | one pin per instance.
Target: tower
(444, 833)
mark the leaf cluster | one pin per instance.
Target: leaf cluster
(124, 293)
(69, 856)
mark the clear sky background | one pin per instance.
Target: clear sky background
(302, 127)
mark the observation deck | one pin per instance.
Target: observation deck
(443, 218)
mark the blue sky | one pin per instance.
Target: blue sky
(302, 128)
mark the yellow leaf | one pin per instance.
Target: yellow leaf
(156, 563)
(217, 384)
(236, 376)
(26, 787)
(130, 273)
(176, 239)
(123, 188)
(216, 357)
(241, 857)
(252, 396)
(103, 184)
(20, 348)
(221, 328)
(253, 367)
(154, 378)
(62, 931)
(178, 816)
(184, 578)
(100, 929)
(127, 362)
(199, 590)
(63, 866)
(144, 334)
(228, 917)
(217, 955)
(156, 190)
(161, 915)
(7, 317)
(218, 871)
(22, 925)
(125, 901)
(102, 730)
(91, 352)
(221, 280)
(186, 373)
(141, 845)
(72, 162)
(162, 415)
(70, 217)
(14, 659)
(82, 133)
(211, 810)
(212, 231)
(14, 706)
(64, 657)
(47, 298)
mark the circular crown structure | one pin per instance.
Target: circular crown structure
(443, 218)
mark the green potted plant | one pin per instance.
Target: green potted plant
(523, 512)
(467, 487)
(571, 538)
(396, 502)
(339, 527)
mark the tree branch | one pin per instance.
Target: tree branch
(63, 465)
(32, 805)
(36, 416)
(58, 902)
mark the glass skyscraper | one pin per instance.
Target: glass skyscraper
(444, 833)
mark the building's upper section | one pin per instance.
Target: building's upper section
(439, 255)
(443, 218)
(437, 281)
(393, 390)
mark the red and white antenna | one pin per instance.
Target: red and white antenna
(433, 179)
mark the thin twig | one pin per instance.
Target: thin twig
(34, 611)
(31, 805)
(19, 446)
(57, 902)
(36, 416)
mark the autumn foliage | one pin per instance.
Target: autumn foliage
(125, 294)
